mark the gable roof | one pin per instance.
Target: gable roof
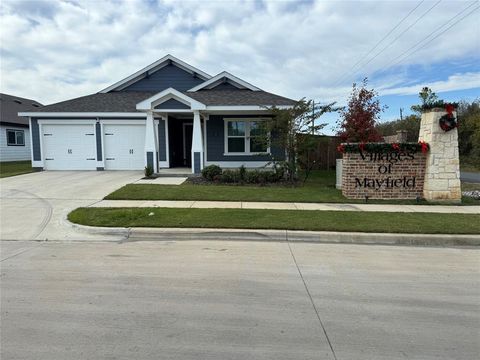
(168, 94)
(11, 105)
(224, 76)
(157, 65)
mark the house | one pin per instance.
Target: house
(14, 132)
(168, 114)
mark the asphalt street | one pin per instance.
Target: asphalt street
(470, 177)
(237, 300)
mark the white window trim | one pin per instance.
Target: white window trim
(15, 131)
(246, 137)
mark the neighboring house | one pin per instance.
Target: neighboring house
(14, 132)
(169, 114)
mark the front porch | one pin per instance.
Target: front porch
(178, 142)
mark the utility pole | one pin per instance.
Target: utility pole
(401, 113)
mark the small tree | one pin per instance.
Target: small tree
(285, 130)
(358, 119)
(428, 98)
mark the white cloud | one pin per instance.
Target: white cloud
(454, 82)
(56, 50)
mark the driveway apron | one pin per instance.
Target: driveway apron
(35, 206)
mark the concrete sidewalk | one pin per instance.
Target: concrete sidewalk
(445, 209)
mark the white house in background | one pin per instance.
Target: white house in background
(168, 114)
(14, 130)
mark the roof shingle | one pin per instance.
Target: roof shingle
(127, 101)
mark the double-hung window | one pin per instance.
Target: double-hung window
(15, 137)
(245, 137)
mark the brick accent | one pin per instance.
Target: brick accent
(383, 176)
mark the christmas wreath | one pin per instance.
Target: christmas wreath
(448, 121)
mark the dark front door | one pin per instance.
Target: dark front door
(187, 144)
(180, 141)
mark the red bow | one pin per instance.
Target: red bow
(341, 148)
(449, 108)
(396, 147)
(424, 146)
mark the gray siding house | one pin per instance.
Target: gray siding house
(14, 131)
(169, 114)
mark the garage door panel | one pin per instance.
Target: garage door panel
(69, 147)
(124, 146)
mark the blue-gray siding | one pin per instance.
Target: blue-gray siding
(172, 104)
(98, 131)
(196, 162)
(216, 142)
(150, 159)
(223, 86)
(168, 76)
(37, 155)
(162, 141)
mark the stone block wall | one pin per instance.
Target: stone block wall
(395, 175)
(400, 137)
(442, 173)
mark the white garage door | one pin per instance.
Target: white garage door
(69, 147)
(124, 147)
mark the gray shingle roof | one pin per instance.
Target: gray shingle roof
(127, 101)
(10, 106)
(108, 102)
(238, 97)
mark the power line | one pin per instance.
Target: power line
(405, 54)
(378, 43)
(403, 32)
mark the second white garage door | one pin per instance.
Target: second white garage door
(124, 147)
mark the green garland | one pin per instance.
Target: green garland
(410, 147)
(438, 104)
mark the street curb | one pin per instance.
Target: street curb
(328, 237)
(152, 234)
(120, 231)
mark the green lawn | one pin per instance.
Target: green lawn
(319, 188)
(417, 223)
(12, 168)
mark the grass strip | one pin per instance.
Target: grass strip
(415, 223)
(12, 168)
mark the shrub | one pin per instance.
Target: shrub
(273, 176)
(148, 171)
(230, 176)
(211, 172)
(252, 177)
(242, 172)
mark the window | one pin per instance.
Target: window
(15, 137)
(244, 136)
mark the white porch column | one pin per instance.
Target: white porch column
(197, 144)
(151, 149)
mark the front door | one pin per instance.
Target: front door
(187, 144)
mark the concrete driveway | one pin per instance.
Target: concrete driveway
(238, 300)
(34, 206)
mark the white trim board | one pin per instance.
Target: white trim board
(218, 79)
(83, 114)
(151, 102)
(156, 66)
(237, 164)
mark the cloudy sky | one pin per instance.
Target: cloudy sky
(55, 50)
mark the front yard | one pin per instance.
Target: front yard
(319, 188)
(382, 222)
(12, 168)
